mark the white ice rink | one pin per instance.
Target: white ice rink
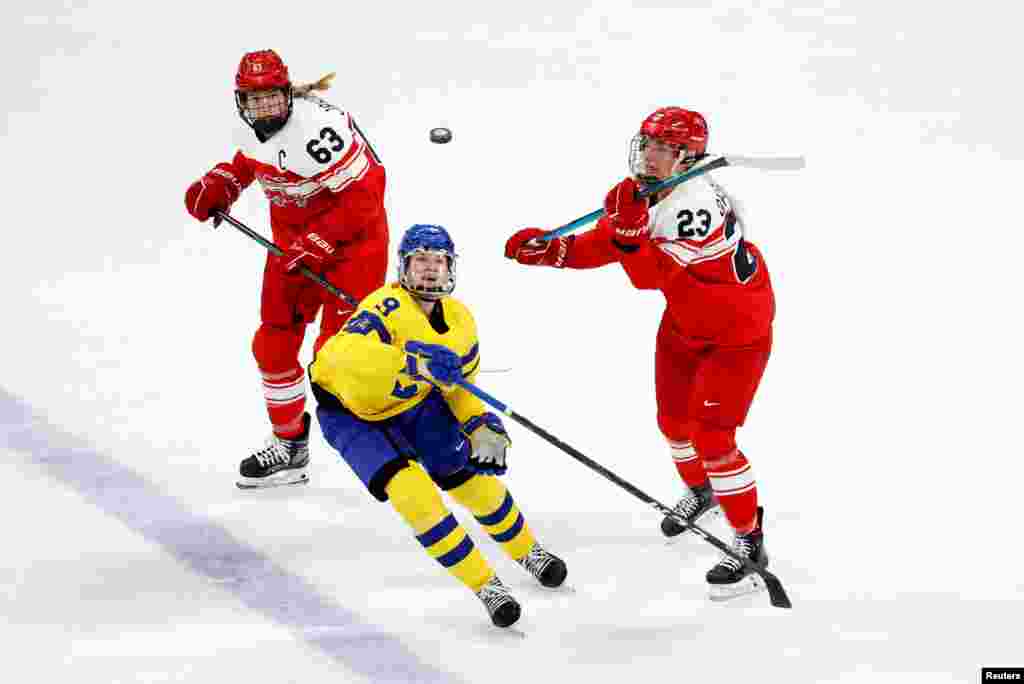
(885, 436)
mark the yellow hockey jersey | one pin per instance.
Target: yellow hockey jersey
(364, 365)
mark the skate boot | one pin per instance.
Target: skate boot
(729, 578)
(548, 568)
(279, 462)
(698, 504)
(501, 606)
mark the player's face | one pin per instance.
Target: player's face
(260, 104)
(657, 158)
(428, 270)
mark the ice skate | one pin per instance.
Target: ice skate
(549, 569)
(279, 462)
(729, 578)
(698, 505)
(501, 605)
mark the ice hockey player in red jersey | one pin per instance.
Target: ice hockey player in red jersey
(715, 334)
(325, 186)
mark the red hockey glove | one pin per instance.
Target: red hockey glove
(217, 190)
(311, 251)
(526, 250)
(627, 214)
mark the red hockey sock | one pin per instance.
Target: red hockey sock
(285, 394)
(688, 464)
(733, 483)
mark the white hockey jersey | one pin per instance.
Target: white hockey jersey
(697, 224)
(319, 150)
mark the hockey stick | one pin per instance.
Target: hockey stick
(776, 593)
(219, 216)
(376, 156)
(763, 163)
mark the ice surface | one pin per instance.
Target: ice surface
(884, 436)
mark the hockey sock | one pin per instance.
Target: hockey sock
(285, 394)
(733, 483)
(688, 464)
(416, 498)
(488, 499)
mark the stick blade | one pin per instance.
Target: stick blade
(768, 163)
(776, 594)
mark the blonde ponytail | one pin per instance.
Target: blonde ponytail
(305, 89)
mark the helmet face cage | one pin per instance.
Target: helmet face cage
(637, 151)
(426, 239)
(253, 114)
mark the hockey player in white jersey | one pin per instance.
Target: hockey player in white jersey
(715, 336)
(325, 187)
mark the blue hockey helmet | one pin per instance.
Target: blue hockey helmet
(426, 238)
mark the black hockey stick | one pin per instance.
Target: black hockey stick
(367, 141)
(776, 593)
(219, 216)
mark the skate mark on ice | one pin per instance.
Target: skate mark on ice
(210, 550)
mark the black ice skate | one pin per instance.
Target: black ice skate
(501, 606)
(549, 569)
(279, 462)
(729, 578)
(698, 504)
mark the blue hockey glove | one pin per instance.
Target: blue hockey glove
(434, 363)
(490, 444)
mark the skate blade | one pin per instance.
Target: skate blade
(564, 588)
(751, 584)
(281, 479)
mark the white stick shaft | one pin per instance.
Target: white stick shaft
(767, 163)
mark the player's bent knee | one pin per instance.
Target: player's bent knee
(412, 493)
(480, 494)
(675, 429)
(455, 480)
(711, 442)
(276, 349)
(381, 480)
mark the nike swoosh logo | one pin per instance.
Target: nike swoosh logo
(459, 445)
(710, 403)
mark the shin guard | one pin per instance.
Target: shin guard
(490, 502)
(413, 494)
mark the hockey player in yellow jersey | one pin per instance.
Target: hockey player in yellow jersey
(390, 403)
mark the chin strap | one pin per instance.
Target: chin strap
(425, 296)
(266, 128)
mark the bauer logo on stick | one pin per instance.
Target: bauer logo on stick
(440, 135)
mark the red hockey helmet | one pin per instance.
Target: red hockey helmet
(261, 70)
(678, 126)
(670, 140)
(265, 113)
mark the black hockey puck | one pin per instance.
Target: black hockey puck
(440, 135)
